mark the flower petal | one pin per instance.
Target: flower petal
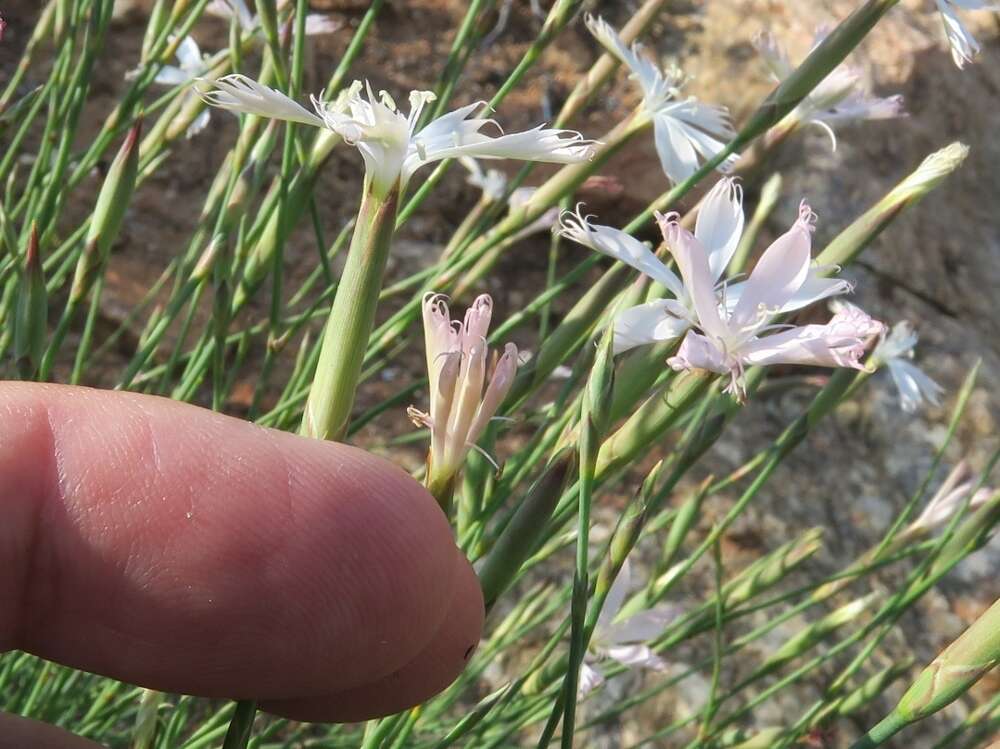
(590, 679)
(773, 55)
(643, 70)
(238, 93)
(616, 598)
(318, 24)
(644, 626)
(199, 123)
(621, 246)
(964, 46)
(637, 656)
(839, 343)
(692, 261)
(913, 384)
(778, 275)
(500, 384)
(189, 54)
(648, 323)
(720, 224)
(678, 157)
(698, 352)
(170, 75)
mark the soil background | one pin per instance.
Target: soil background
(937, 266)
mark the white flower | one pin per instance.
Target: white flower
(392, 147)
(317, 24)
(685, 130)
(191, 64)
(718, 230)
(492, 182)
(964, 46)
(623, 641)
(949, 498)
(896, 351)
(840, 97)
(457, 356)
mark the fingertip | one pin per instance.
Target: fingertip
(17, 733)
(429, 673)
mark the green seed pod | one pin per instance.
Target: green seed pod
(526, 528)
(816, 632)
(932, 171)
(771, 569)
(872, 688)
(109, 212)
(956, 669)
(145, 719)
(601, 382)
(31, 311)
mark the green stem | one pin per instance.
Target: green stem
(240, 726)
(352, 315)
(888, 727)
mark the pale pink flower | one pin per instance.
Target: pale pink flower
(718, 230)
(464, 394)
(737, 334)
(840, 97)
(624, 641)
(949, 498)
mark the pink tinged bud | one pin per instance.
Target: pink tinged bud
(443, 401)
(496, 391)
(468, 393)
(477, 320)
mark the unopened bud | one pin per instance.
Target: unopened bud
(526, 528)
(772, 568)
(31, 311)
(816, 632)
(958, 667)
(931, 172)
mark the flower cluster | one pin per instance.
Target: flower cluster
(464, 394)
